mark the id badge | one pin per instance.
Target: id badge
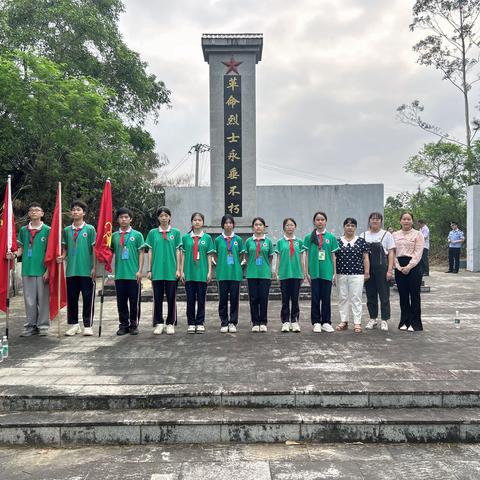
(259, 261)
(29, 252)
(125, 254)
(230, 260)
(321, 255)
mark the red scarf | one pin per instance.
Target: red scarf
(320, 240)
(33, 232)
(292, 249)
(195, 248)
(257, 251)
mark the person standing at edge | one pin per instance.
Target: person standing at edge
(455, 242)
(320, 265)
(127, 246)
(290, 272)
(78, 242)
(353, 270)
(259, 252)
(196, 271)
(425, 231)
(381, 248)
(229, 274)
(164, 266)
(409, 245)
(32, 240)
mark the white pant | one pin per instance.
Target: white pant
(36, 296)
(350, 288)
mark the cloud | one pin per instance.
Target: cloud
(332, 75)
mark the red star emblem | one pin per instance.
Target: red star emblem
(232, 66)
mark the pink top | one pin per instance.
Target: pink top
(409, 244)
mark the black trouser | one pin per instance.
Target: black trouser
(75, 285)
(258, 289)
(290, 289)
(321, 310)
(168, 287)
(127, 293)
(409, 292)
(226, 288)
(196, 294)
(453, 259)
(424, 263)
(377, 286)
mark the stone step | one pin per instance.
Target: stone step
(118, 397)
(239, 425)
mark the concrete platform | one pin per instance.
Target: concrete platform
(431, 371)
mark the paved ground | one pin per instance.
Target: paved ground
(439, 358)
(245, 462)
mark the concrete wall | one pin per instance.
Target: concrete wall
(274, 203)
(473, 228)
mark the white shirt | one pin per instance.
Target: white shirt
(388, 242)
(351, 242)
(426, 235)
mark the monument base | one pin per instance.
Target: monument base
(473, 228)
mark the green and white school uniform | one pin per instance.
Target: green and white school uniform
(320, 257)
(196, 271)
(164, 245)
(290, 265)
(127, 256)
(79, 242)
(228, 260)
(259, 267)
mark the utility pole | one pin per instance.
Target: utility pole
(198, 148)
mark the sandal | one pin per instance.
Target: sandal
(342, 326)
(357, 329)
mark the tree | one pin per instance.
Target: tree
(83, 37)
(56, 127)
(452, 46)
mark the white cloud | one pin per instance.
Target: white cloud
(332, 74)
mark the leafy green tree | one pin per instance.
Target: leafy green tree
(54, 127)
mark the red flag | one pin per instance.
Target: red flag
(8, 243)
(56, 272)
(104, 228)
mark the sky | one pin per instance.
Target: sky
(333, 73)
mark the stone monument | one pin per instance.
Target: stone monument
(232, 60)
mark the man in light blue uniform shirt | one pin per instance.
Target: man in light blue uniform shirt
(455, 242)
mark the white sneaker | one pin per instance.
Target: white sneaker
(371, 324)
(295, 327)
(384, 326)
(200, 328)
(410, 329)
(170, 330)
(191, 329)
(317, 327)
(327, 327)
(87, 331)
(256, 328)
(223, 329)
(285, 327)
(73, 330)
(263, 328)
(158, 330)
(232, 328)
(403, 327)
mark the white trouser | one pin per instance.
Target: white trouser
(350, 288)
(36, 295)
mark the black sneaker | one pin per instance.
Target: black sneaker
(133, 331)
(122, 331)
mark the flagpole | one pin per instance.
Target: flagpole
(59, 265)
(139, 299)
(101, 303)
(7, 313)
(9, 248)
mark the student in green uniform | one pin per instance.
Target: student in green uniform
(78, 241)
(164, 264)
(229, 274)
(259, 252)
(127, 245)
(290, 272)
(320, 267)
(196, 272)
(32, 240)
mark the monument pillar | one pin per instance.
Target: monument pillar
(473, 228)
(232, 59)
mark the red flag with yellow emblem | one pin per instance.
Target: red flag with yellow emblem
(104, 228)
